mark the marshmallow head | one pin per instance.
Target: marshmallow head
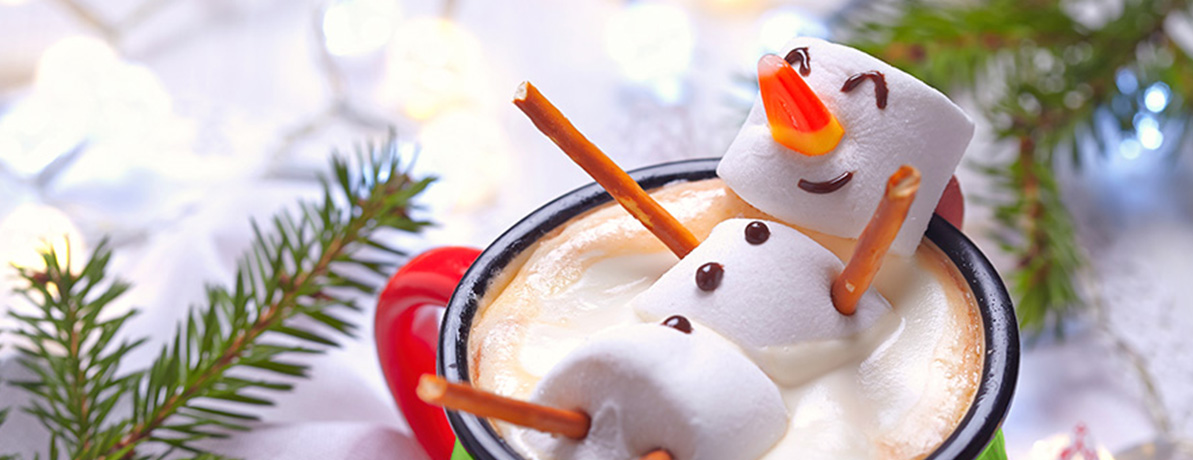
(889, 119)
(766, 287)
(651, 386)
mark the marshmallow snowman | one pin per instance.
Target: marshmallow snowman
(670, 386)
(829, 127)
(766, 287)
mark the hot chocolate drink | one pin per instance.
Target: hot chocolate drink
(895, 390)
(788, 309)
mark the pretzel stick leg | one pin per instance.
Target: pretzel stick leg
(435, 390)
(628, 193)
(871, 247)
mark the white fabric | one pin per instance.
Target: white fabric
(919, 126)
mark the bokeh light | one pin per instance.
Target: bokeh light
(432, 65)
(1130, 148)
(669, 91)
(651, 41)
(1147, 129)
(356, 27)
(471, 151)
(780, 25)
(1155, 98)
(1062, 446)
(732, 3)
(32, 228)
(1126, 81)
(82, 92)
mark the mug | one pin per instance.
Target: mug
(458, 278)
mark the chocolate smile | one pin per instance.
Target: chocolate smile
(829, 186)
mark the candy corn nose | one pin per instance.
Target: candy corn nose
(798, 119)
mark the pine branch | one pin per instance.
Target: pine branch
(4, 411)
(69, 350)
(299, 271)
(1048, 254)
(226, 356)
(3, 418)
(1040, 77)
(952, 46)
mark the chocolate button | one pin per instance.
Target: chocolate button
(709, 275)
(679, 323)
(757, 233)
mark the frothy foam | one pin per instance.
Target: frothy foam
(900, 400)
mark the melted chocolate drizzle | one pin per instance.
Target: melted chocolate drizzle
(879, 79)
(708, 276)
(757, 233)
(679, 323)
(827, 186)
(800, 56)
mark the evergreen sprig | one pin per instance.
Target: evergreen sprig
(1042, 78)
(70, 354)
(4, 413)
(3, 418)
(288, 300)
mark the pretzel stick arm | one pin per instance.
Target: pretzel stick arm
(548, 119)
(876, 239)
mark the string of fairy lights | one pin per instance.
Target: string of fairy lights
(85, 96)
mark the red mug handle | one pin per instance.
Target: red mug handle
(407, 331)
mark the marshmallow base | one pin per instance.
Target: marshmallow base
(774, 300)
(650, 386)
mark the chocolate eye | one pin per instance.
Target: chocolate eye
(757, 233)
(880, 90)
(679, 323)
(709, 275)
(800, 57)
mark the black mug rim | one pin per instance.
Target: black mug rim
(977, 428)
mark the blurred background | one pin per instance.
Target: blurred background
(167, 124)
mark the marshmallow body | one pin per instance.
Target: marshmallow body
(650, 386)
(919, 126)
(774, 300)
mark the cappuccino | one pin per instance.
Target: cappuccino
(899, 398)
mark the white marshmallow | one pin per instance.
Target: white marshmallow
(919, 126)
(649, 386)
(774, 300)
